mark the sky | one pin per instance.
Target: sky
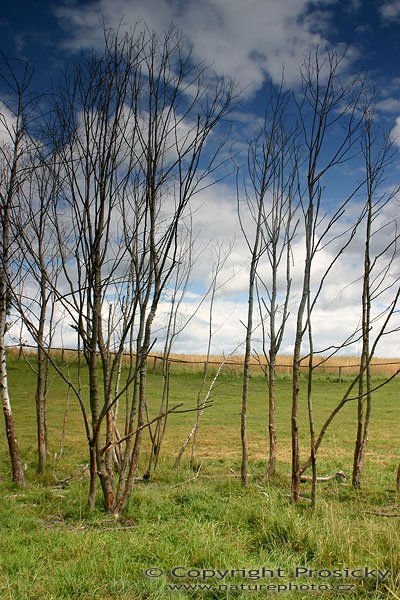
(253, 41)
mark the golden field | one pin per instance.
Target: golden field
(338, 366)
(347, 365)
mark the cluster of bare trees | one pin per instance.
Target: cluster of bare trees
(96, 194)
(286, 191)
(95, 210)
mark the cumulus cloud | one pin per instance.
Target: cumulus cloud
(252, 40)
(249, 40)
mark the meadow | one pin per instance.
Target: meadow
(200, 519)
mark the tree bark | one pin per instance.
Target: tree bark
(16, 464)
(271, 465)
(41, 381)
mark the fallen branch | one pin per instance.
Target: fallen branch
(339, 475)
(62, 483)
(381, 514)
(189, 480)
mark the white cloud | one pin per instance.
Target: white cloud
(247, 39)
(388, 105)
(395, 132)
(390, 10)
(354, 6)
(7, 124)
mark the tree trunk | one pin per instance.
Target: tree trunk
(16, 465)
(126, 491)
(296, 471)
(245, 390)
(295, 430)
(93, 477)
(271, 465)
(311, 410)
(40, 399)
(255, 255)
(365, 370)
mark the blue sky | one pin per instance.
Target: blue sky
(235, 34)
(252, 40)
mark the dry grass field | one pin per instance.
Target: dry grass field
(348, 365)
(336, 366)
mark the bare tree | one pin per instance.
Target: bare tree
(171, 153)
(204, 393)
(15, 112)
(130, 134)
(38, 265)
(256, 248)
(380, 282)
(268, 188)
(172, 330)
(327, 101)
(379, 276)
(279, 226)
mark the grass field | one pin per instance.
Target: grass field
(52, 548)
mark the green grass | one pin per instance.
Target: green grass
(52, 548)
